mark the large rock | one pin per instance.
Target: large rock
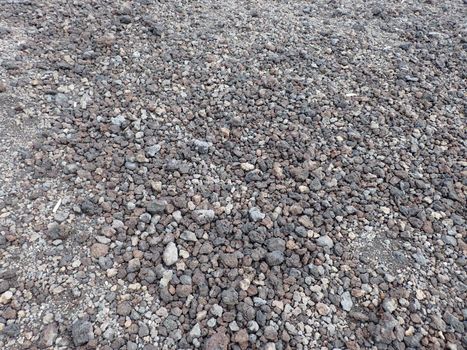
(203, 216)
(156, 206)
(196, 331)
(98, 250)
(325, 241)
(218, 341)
(256, 214)
(81, 332)
(275, 258)
(229, 260)
(230, 296)
(274, 244)
(49, 334)
(188, 236)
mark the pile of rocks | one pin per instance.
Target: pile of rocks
(235, 175)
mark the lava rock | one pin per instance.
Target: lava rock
(81, 332)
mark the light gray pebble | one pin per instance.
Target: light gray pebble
(170, 255)
(203, 216)
(188, 236)
(256, 214)
(346, 301)
(325, 241)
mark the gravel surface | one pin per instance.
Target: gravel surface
(233, 174)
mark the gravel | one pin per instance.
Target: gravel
(235, 175)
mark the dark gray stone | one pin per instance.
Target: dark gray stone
(81, 332)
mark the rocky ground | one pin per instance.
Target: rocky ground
(232, 174)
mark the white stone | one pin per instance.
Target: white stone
(385, 210)
(112, 272)
(118, 120)
(170, 255)
(195, 331)
(346, 301)
(216, 310)
(247, 166)
(166, 277)
(244, 284)
(390, 305)
(256, 214)
(234, 326)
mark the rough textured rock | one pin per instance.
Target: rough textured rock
(170, 255)
(260, 175)
(346, 301)
(218, 341)
(82, 332)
